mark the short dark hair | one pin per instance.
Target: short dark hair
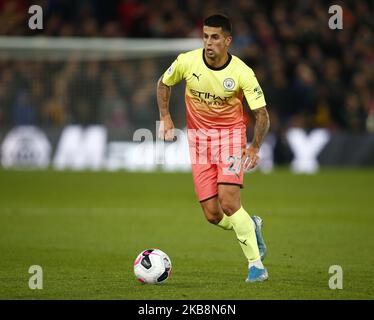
(219, 20)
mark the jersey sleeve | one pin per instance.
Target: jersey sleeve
(175, 73)
(252, 89)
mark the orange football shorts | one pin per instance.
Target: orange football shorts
(216, 157)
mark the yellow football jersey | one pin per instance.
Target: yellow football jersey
(214, 95)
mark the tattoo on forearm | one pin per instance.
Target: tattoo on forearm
(261, 126)
(163, 96)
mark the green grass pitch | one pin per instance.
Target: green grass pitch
(85, 230)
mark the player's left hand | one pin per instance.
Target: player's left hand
(250, 157)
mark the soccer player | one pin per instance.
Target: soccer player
(216, 82)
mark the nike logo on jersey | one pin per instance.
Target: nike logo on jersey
(197, 76)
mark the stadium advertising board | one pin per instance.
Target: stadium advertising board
(91, 148)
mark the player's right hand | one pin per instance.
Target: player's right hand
(166, 129)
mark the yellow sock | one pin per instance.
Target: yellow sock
(225, 223)
(244, 228)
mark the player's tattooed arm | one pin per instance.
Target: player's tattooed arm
(163, 97)
(166, 129)
(251, 156)
(262, 126)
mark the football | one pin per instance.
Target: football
(152, 266)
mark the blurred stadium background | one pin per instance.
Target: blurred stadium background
(101, 60)
(73, 94)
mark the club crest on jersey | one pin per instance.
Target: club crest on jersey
(229, 83)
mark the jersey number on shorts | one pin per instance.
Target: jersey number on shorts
(235, 164)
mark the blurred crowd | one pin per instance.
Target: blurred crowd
(312, 76)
